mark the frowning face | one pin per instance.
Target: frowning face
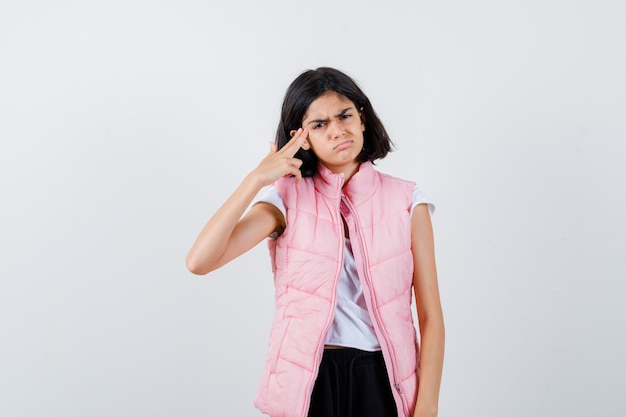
(335, 132)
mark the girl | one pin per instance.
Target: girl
(348, 245)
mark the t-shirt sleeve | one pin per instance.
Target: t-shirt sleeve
(420, 198)
(272, 196)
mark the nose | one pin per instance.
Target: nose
(337, 130)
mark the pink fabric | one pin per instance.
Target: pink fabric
(306, 260)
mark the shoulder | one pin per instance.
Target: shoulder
(386, 178)
(416, 194)
(288, 188)
(396, 181)
(395, 185)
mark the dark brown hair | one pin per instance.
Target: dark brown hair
(310, 85)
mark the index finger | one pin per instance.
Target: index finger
(295, 143)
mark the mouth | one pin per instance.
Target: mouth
(343, 145)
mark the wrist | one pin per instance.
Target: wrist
(253, 181)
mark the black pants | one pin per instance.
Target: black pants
(352, 383)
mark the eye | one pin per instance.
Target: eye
(319, 125)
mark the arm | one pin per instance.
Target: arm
(227, 235)
(429, 313)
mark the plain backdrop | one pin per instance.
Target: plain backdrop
(125, 124)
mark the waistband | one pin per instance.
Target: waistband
(350, 357)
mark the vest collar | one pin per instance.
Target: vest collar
(361, 186)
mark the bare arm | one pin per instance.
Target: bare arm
(429, 313)
(227, 235)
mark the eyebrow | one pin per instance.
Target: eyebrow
(341, 113)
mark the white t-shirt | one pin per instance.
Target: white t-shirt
(352, 324)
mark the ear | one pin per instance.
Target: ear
(362, 116)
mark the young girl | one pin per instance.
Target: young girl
(348, 246)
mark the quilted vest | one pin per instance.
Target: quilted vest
(306, 261)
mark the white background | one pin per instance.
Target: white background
(124, 125)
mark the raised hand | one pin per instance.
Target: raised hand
(281, 163)
(227, 235)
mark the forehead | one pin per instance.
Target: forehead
(328, 104)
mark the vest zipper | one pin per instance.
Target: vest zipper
(373, 304)
(320, 349)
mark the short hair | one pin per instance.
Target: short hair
(310, 85)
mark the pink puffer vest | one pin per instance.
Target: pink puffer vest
(306, 260)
